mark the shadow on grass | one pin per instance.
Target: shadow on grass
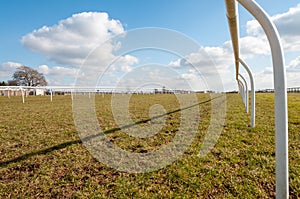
(73, 142)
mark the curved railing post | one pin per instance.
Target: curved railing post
(281, 118)
(22, 93)
(252, 84)
(51, 95)
(241, 88)
(246, 93)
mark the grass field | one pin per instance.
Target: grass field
(43, 157)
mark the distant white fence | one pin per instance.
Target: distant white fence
(24, 91)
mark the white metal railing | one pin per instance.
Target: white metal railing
(281, 118)
(252, 84)
(88, 90)
(245, 93)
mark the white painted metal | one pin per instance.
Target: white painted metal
(252, 84)
(246, 93)
(22, 91)
(241, 90)
(281, 119)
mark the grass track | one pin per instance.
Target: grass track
(41, 155)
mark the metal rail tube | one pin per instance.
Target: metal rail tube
(252, 92)
(281, 118)
(241, 89)
(246, 94)
(232, 16)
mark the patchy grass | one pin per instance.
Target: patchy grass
(43, 157)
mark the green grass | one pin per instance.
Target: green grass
(43, 157)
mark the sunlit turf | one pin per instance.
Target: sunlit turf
(41, 155)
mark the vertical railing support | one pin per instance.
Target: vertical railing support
(281, 118)
(246, 93)
(252, 84)
(241, 90)
(22, 92)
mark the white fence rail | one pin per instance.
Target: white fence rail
(281, 118)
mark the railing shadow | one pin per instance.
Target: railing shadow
(113, 130)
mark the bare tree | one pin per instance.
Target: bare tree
(26, 76)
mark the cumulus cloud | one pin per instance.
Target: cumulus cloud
(293, 73)
(72, 39)
(294, 65)
(289, 30)
(264, 78)
(206, 57)
(253, 44)
(125, 63)
(206, 69)
(209, 68)
(57, 75)
(54, 75)
(80, 41)
(7, 69)
(209, 58)
(288, 27)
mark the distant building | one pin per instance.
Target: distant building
(11, 93)
(40, 92)
(12, 83)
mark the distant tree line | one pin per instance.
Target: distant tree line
(26, 76)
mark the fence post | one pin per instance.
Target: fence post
(281, 118)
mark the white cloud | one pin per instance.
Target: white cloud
(72, 39)
(57, 75)
(54, 75)
(195, 80)
(80, 40)
(43, 69)
(289, 30)
(177, 63)
(251, 45)
(293, 73)
(294, 65)
(288, 27)
(264, 78)
(7, 69)
(211, 61)
(206, 58)
(207, 69)
(125, 63)
(9, 66)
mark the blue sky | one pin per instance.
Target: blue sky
(202, 21)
